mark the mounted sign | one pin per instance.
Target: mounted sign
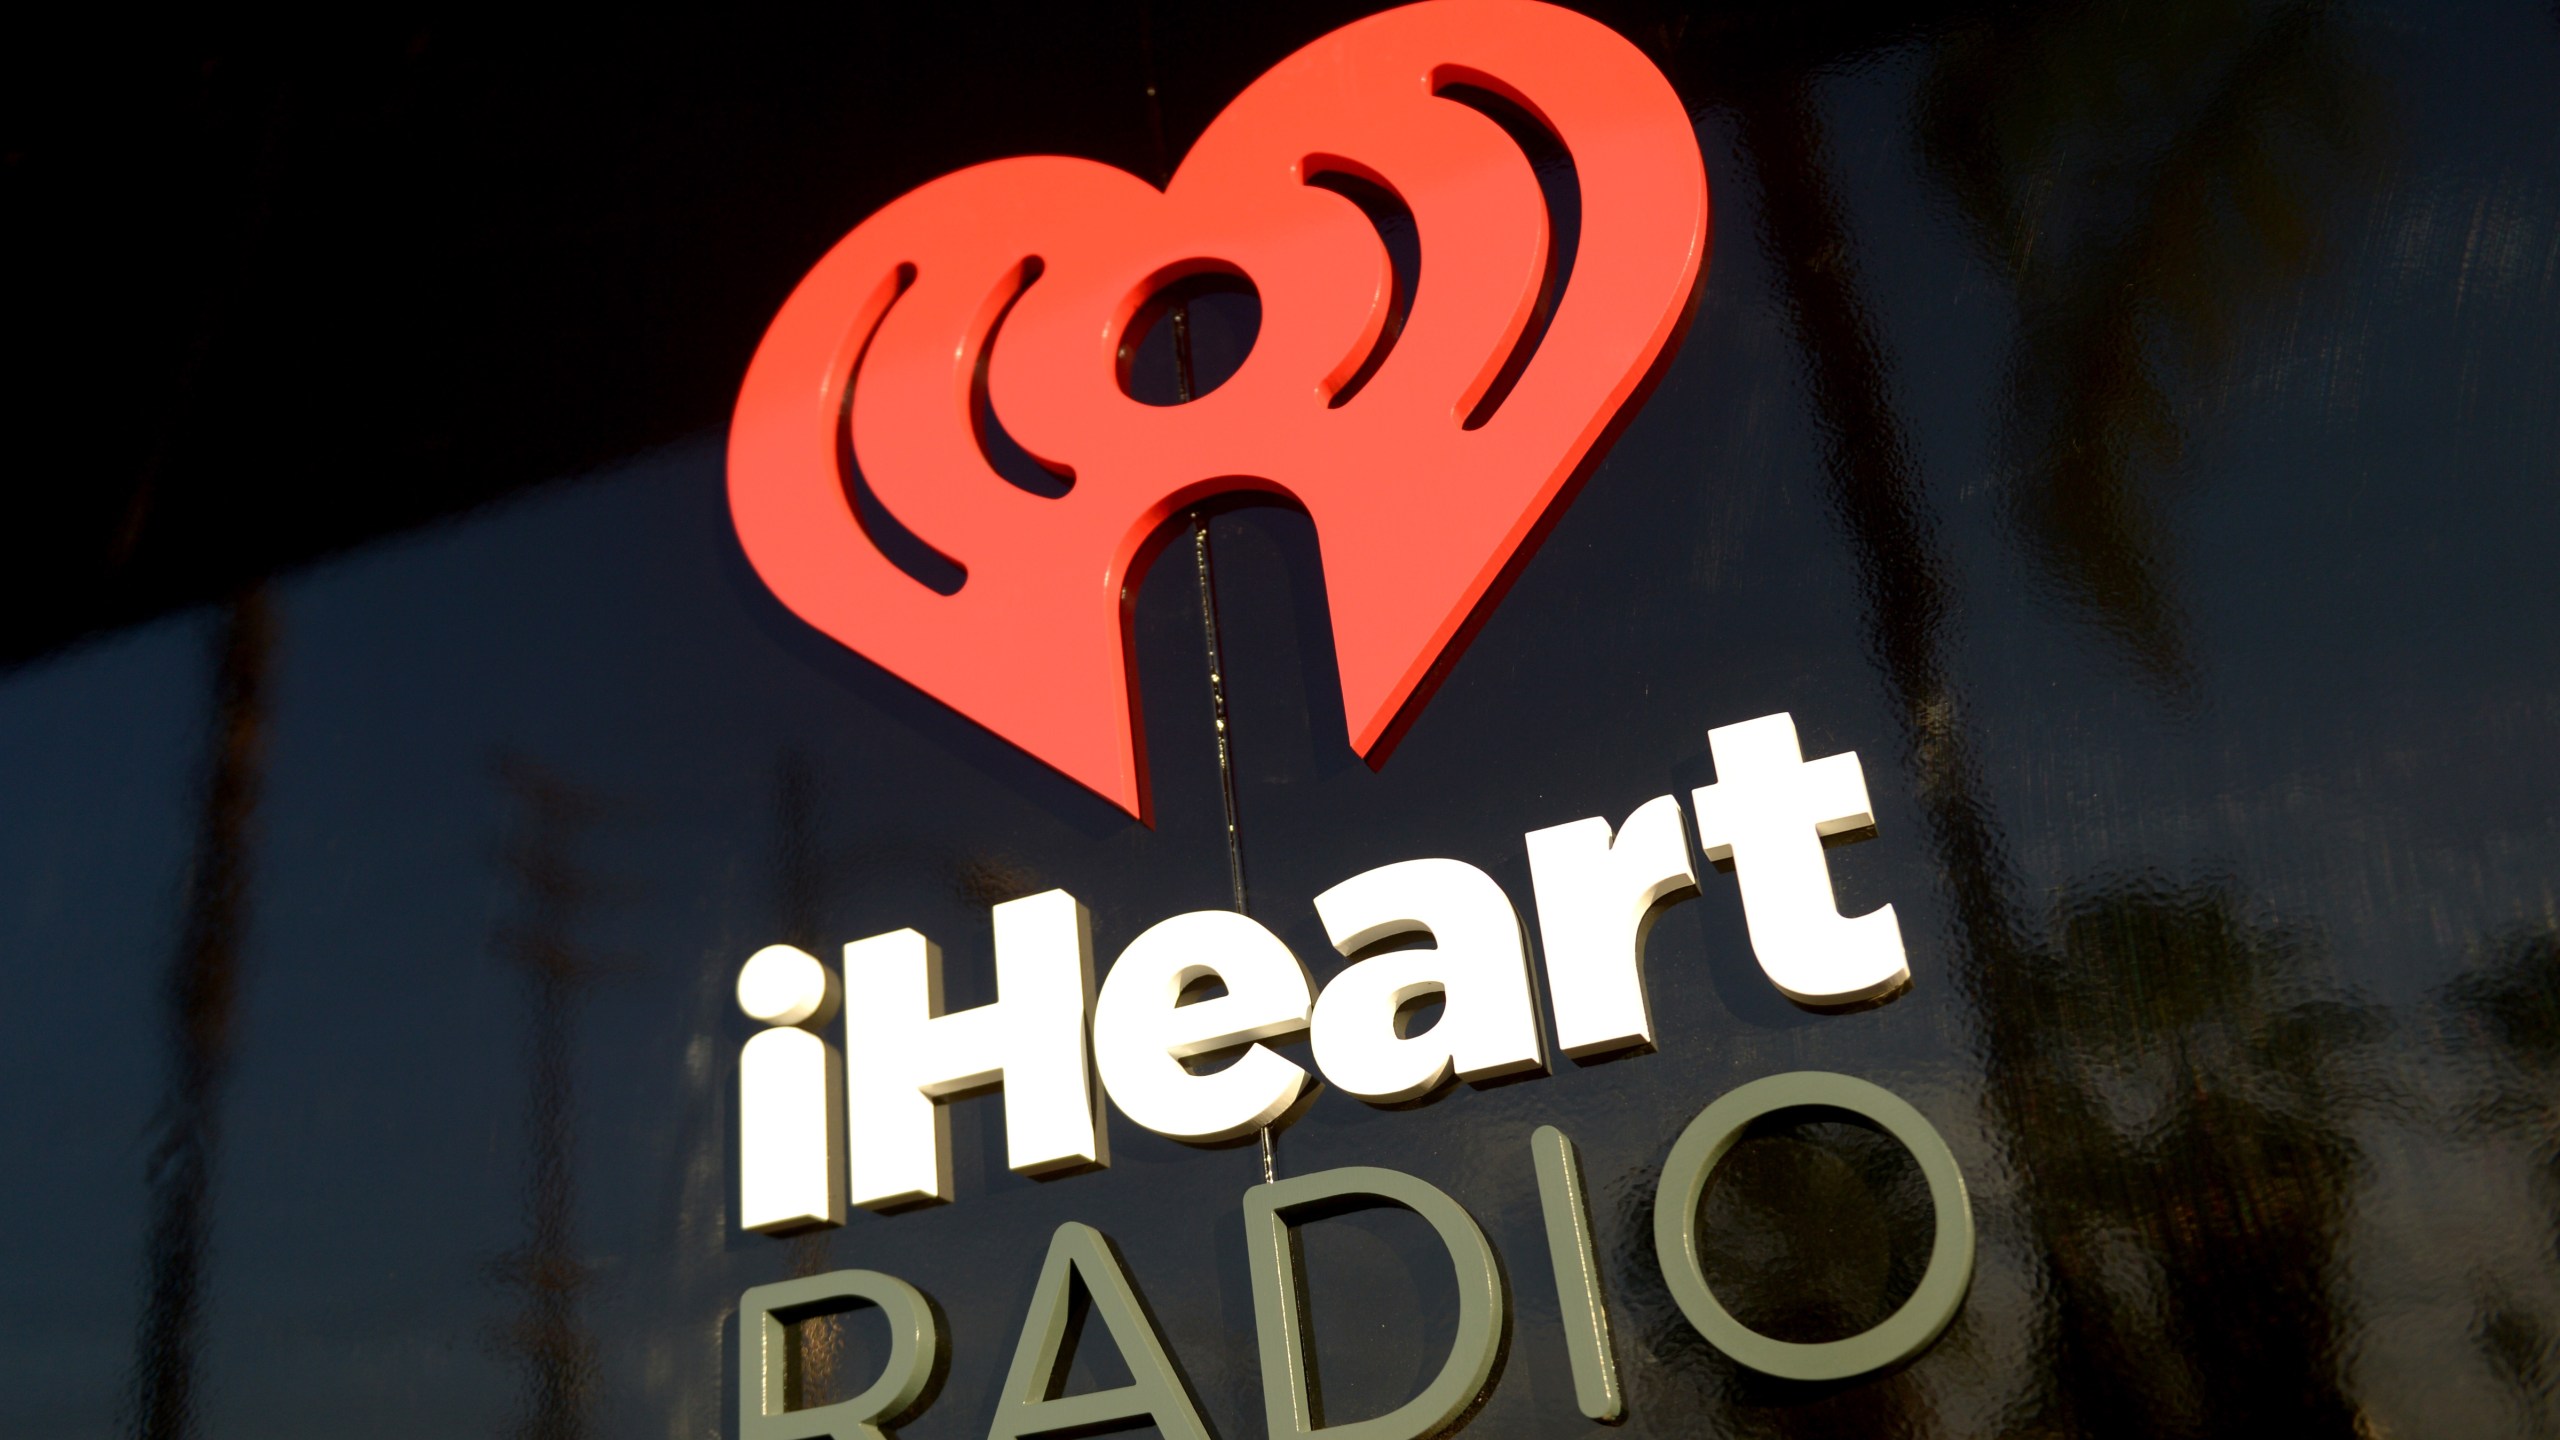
(1430, 428)
(1429, 435)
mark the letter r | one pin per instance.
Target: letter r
(904, 1056)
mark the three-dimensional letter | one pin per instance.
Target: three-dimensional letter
(1480, 965)
(1767, 813)
(1289, 1399)
(1142, 1033)
(1597, 899)
(790, 1096)
(1029, 1405)
(903, 1055)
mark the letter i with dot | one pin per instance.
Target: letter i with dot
(790, 1095)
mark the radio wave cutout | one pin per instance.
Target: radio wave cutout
(1427, 453)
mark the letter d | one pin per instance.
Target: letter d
(1288, 1401)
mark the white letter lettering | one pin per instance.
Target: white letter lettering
(1141, 1036)
(1596, 903)
(790, 1110)
(1490, 1024)
(903, 1055)
(1767, 812)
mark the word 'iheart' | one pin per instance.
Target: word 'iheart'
(1428, 433)
(882, 1103)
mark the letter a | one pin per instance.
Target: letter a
(1025, 1409)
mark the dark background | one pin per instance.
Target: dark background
(2131, 429)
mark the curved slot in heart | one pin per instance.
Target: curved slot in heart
(896, 543)
(1013, 464)
(1559, 185)
(1190, 337)
(1392, 218)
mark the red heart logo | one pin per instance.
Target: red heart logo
(1015, 284)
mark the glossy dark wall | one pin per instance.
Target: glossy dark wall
(2134, 430)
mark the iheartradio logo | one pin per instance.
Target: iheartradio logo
(1428, 433)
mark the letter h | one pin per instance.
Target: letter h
(904, 1056)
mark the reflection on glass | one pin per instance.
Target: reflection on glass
(2504, 1024)
(2180, 1084)
(2149, 181)
(547, 1338)
(2176, 1084)
(202, 996)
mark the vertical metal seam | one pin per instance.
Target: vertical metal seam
(1202, 569)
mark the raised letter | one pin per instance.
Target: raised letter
(1141, 1036)
(1767, 813)
(790, 1096)
(1289, 1403)
(903, 1055)
(1904, 1333)
(765, 1357)
(1029, 1406)
(1597, 899)
(1490, 1024)
(1577, 1271)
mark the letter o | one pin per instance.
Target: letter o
(1908, 1330)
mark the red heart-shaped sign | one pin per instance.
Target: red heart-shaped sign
(1015, 285)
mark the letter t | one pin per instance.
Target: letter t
(1767, 813)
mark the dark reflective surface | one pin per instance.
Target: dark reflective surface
(2131, 431)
